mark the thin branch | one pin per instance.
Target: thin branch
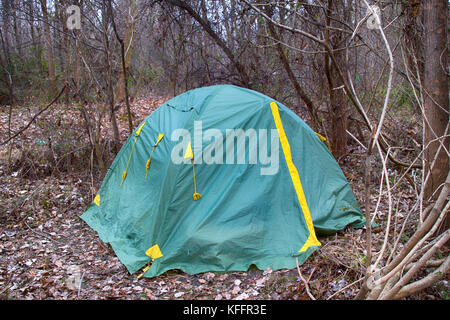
(304, 281)
(34, 117)
(346, 287)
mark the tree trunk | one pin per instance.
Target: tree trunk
(413, 40)
(16, 26)
(65, 50)
(50, 55)
(34, 44)
(106, 17)
(435, 86)
(125, 55)
(8, 77)
(128, 43)
(6, 12)
(338, 102)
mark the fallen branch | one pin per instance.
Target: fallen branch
(304, 281)
(346, 287)
(81, 281)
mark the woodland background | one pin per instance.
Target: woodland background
(376, 89)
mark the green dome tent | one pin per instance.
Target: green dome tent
(217, 179)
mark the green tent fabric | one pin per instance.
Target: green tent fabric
(250, 212)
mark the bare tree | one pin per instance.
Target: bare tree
(435, 87)
(49, 44)
(216, 37)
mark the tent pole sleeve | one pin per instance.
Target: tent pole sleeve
(295, 177)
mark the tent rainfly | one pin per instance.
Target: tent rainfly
(217, 179)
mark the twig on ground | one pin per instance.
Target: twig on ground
(81, 281)
(346, 287)
(304, 281)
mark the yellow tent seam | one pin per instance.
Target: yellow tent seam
(312, 239)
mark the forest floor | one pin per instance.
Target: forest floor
(42, 238)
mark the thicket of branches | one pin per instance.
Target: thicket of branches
(371, 74)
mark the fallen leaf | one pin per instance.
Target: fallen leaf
(260, 282)
(236, 290)
(106, 288)
(210, 275)
(149, 294)
(242, 296)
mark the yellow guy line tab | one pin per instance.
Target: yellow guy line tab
(147, 165)
(312, 240)
(190, 155)
(154, 252)
(97, 199)
(138, 132)
(321, 137)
